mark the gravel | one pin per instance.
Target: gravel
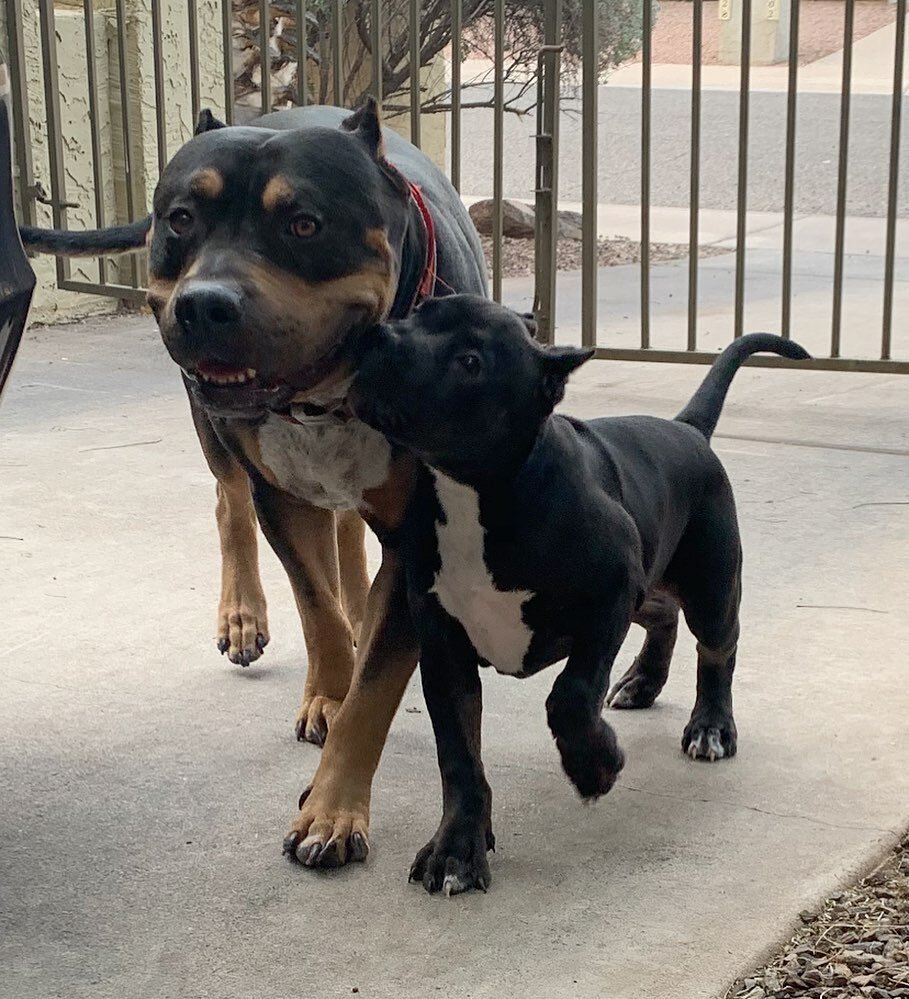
(820, 29)
(518, 254)
(857, 945)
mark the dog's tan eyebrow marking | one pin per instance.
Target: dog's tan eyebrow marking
(207, 183)
(278, 191)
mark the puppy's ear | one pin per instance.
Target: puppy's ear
(530, 321)
(558, 363)
(207, 122)
(365, 124)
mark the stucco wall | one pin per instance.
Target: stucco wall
(50, 304)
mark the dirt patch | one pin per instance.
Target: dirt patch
(518, 254)
(820, 29)
(857, 945)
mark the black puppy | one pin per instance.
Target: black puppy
(536, 536)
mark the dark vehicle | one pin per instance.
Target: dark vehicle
(17, 280)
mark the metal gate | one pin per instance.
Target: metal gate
(324, 52)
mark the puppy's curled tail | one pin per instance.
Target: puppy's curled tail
(703, 411)
(88, 243)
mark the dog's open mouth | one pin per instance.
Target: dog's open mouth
(229, 389)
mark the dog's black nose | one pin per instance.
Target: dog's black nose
(209, 308)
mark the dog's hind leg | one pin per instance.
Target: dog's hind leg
(708, 567)
(242, 628)
(354, 571)
(646, 677)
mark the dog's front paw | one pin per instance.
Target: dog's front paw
(328, 832)
(454, 860)
(314, 718)
(710, 736)
(592, 759)
(242, 629)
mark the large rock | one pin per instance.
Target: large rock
(518, 220)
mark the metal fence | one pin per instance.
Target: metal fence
(317, 47)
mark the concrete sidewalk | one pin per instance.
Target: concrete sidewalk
(147, 784)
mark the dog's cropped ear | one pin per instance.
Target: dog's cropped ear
(207, 122)
(558, 363)
(530, 322)
(365, 124)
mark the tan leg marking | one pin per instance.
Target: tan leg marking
(332, 826)
(242, 614)
(354, 571)
(305, 540)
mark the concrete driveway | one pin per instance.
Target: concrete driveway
(146, 784)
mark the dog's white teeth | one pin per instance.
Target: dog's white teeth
(231, 378)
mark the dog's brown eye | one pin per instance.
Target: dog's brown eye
(471, 363)
(180, 221)
(303, 226)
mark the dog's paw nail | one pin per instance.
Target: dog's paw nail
(261, 641)
(314, 735)
(289, 845)
(330, 855)
(303, 796)
(307, 853)
(359, 848)
(223, 645)
(715, 749)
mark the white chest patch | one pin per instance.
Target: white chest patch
(492, 618)
(324, 461)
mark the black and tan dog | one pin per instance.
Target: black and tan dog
(533, 537)
(271, 248)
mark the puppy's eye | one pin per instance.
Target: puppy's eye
(180, 221)
(471, 363)
(303, 226)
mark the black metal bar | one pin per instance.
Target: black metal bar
(839, 244)
(415, 50)
(646, 94)
(498, 147)
(545, 224)
(456, 53)
(127, 292)
(375, 32)
(126, 122)
(22, 147)
(192, 24)
(302, 54)
(91, 57)
(337, 32)
(553, 57)
(265, 54)
(227, 42)
(742, 190)
(789, 183)
(899, 54)
(158, 60)
(694, 195)
(590, 82)
(54, 126)
(758, 360)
